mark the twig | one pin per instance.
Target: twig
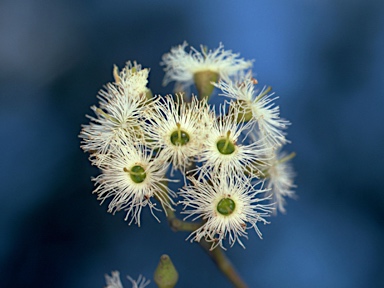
(223, 264)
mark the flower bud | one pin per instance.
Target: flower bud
(166, 275)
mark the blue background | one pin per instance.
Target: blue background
(324, 59)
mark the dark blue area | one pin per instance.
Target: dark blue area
(324, 59)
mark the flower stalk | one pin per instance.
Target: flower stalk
(225, 266)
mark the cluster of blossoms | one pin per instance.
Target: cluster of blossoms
(234, 173)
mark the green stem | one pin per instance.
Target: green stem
(223, 264)
(179, 225)
(216, 254)
(175, 223)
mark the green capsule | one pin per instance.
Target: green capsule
(137, 173)
(226, 206)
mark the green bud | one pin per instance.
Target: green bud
(166, 275)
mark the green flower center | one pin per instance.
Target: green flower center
(137, 173)
(226, 206)
(179, 137)
(225, 146)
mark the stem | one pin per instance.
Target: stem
(176, 224)
(216, 254)
(179, 225)
(223, 264)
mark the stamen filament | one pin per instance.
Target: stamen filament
(287, 158)
(263, 93)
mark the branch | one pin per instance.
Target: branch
(179, 225)
(223, 264)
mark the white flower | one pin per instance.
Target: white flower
(228, 207)
(279, 180)
(259, 104)
(141, 282)
(181, 66)
(132, 79)
(118, 114)
(225, 151)
(132, 179)
(114, 281)
(178, 129)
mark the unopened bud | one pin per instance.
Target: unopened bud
(166, 275)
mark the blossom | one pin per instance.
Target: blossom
(115, 282)
(117, 115)
(141, 282)
(181, 66)
(257, 105)
(279, 179)
(132, 80)
(132, 179)
(225, 151)
(228, 206)
(178, 129)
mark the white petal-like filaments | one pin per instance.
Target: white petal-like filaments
(246, 156)
(180, 66)
(132, 80)
(172, 116)
(260, 104)
(201, 198)
(279, 180)
(116, 115)
(116, 182)
(114, 281)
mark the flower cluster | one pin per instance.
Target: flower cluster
(234, 173)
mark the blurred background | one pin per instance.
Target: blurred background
(324, 59)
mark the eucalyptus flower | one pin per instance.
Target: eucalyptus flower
(132, 178)
(228, 207)
(258, 106)
(115, 282)
(278, 174)
(227, 150)
(178, 129)
(132, 80)
(117, 114)
(279, 180)
(201, 67)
